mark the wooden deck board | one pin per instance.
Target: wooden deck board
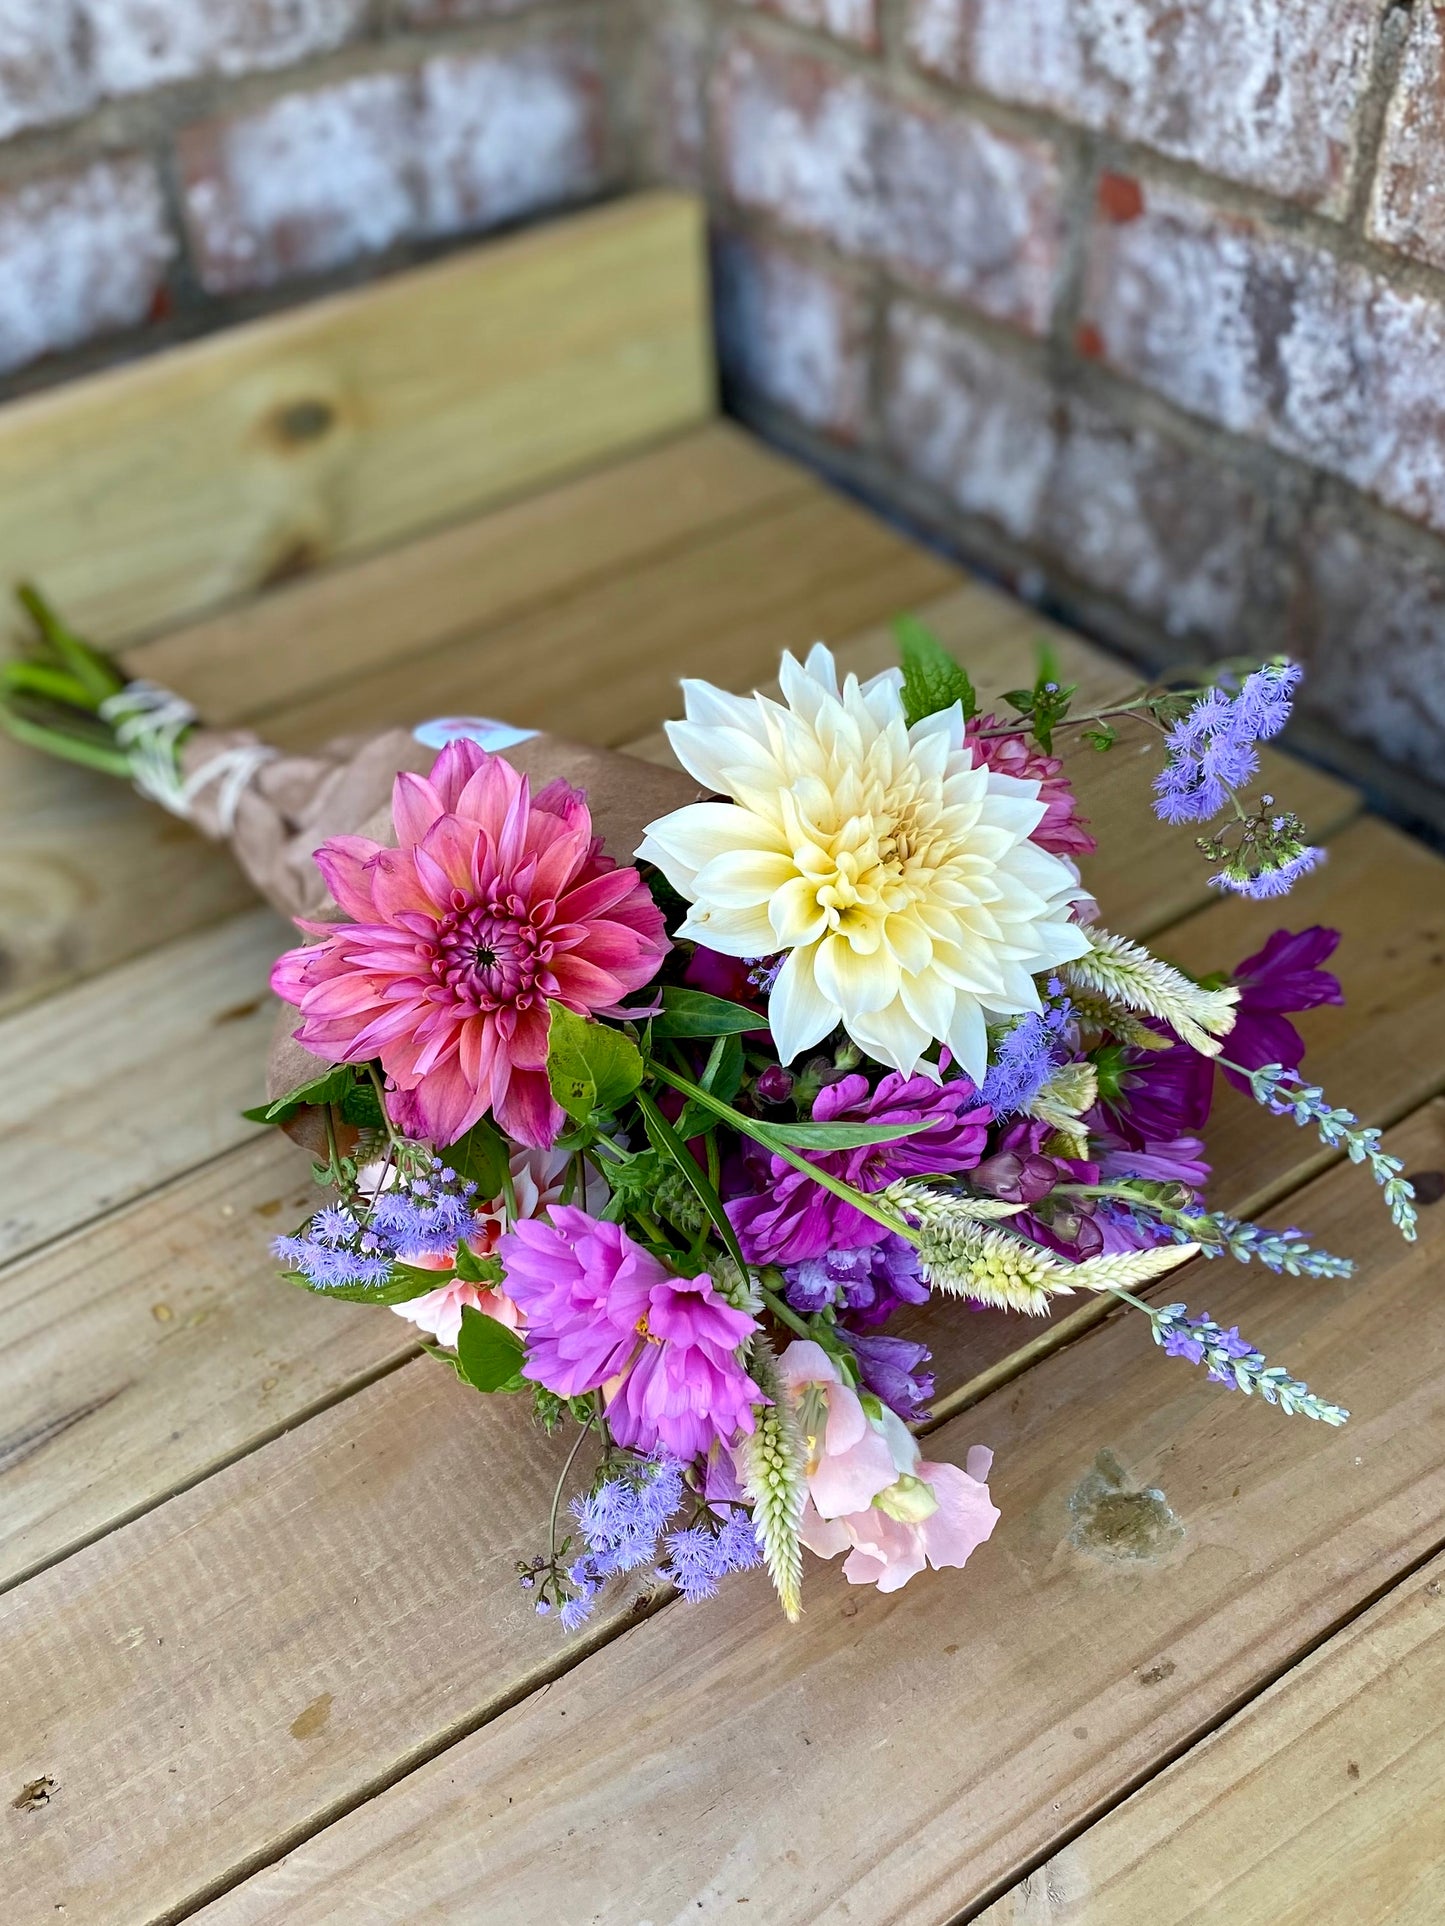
(1319, 1805)
(164, 488)
(983, 1716)
(91, 875)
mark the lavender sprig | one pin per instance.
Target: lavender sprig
(1219, 1235)
(1288, 1095)
(1232, 1361)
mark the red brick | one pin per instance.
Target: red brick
(1407, 207)
(81, 255)
(1137, 516)
(506, 134)
(140, 44)
(308, 182)
(855, 21)
(793, 333)
(940, 197)
(1370, 625)
(1277, 339)
(1262, 91)
(316, 179)
(42, 72)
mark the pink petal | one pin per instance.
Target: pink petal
(415, 806)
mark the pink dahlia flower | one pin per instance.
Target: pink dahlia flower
(603, 1312)
(871, 1493)
(1062, 831)
(494, 901)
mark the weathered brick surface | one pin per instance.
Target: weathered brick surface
(502, 135)
(793, 333)
(43, 76)
(451, 13)
(308, 182)
(318, 178)
(1370, 624)
(81, 255)
(1407, 206)
(1263, 93)
(1139, 517)
(855, 21)
(139, 44)
(1274, 338)
(672, 94)
(940, 197)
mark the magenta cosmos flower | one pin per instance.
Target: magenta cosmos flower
(602, 1311)
(494, 901)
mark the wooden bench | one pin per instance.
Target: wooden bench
(263, 1656)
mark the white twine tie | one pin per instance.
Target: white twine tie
(149, 722)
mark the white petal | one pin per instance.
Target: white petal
(852, 981)
(743, 878)
(799, 1015)
(891, 1036)
(968, 1038)
(731, 932)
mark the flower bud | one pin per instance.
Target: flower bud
(774, 1085)
(910, 1500)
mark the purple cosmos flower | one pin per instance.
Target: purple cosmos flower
(1282, 978)
(788, 1218)
(890, 1369)
(1162, 1095)
(599, 1307)
(870, 1282)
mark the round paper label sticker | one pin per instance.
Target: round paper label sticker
(486, 730)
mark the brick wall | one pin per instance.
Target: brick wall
(168, 165)
(1140, 303)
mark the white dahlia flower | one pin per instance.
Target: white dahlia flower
(899, 878)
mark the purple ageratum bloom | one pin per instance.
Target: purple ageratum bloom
(1212, 749)
(870, 1282)
(788, 1218)
(890, 1369)
(1277, 981)
(1025, 1059)
(1264, 884)
(601, 1310)
(622, 1519)
(701, 1556)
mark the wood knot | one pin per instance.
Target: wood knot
(1113, 1521)
(295, 423)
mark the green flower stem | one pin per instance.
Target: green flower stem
(561, 1485)
(748, 1127)
(784, 1313)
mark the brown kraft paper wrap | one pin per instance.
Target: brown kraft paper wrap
(293, 803)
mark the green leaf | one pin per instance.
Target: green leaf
(693, 1013)
(481, 1158)
(331, 1087)
(590, 1066)
(472, 1269)
(839, 1136)
(722, 1077)
(666, 1140)
(932, 680)
(360, 1105)
(406, 1282)
(489, 1356)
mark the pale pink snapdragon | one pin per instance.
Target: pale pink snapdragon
(871, 1492)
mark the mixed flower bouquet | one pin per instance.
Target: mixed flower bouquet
(659, 1145)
